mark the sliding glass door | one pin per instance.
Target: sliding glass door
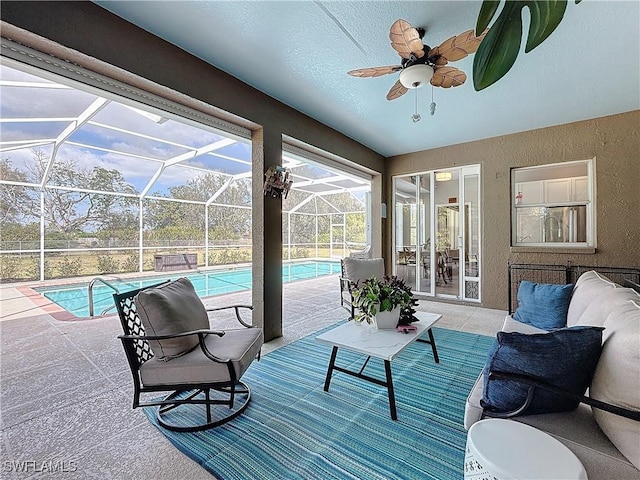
(437, 232)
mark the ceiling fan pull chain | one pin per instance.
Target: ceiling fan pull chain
(416, 116)
(432, 107)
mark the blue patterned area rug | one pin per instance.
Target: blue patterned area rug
(293, 429)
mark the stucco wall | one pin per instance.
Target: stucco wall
(614, 141)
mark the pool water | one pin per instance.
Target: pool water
(74, 298)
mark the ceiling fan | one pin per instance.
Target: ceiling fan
(420, 63)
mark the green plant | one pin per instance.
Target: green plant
(68, 267)
(108, 264)
(130, 263)
(498, 51)
(9, 267)
(380, 295)
(407, 311)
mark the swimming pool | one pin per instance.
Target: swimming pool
(74, 298)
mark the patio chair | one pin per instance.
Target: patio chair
(355, 270)
(171, 348)
(364, 253)
(444, 270)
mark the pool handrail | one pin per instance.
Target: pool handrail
(91, 284)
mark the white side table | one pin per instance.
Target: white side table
(509, 450)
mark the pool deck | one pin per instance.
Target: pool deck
(66, 389)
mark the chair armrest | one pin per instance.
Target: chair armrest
(220, 333)
(346, 284)
(201, 336)
(533, 382)
(237, 310)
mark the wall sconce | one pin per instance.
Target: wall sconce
(277, 183)
(443, 176)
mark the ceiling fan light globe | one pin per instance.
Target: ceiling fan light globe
(416, 76)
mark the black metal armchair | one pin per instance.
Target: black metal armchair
(200, 367)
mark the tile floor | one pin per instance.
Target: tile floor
(66, 389)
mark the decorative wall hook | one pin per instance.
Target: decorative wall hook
(277, 183)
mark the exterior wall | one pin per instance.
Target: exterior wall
(614, 141)
(99, 35)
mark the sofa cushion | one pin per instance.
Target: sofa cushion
(590, 288)
(579, 431)
(511, 325)
(169, 309)
(565, 358)
(543, 305)
(617, 379)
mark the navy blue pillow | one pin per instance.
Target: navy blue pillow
(566, 358)
(543, 305)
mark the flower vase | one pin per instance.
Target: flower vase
(387, 320)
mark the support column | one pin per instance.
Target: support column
(267, 236)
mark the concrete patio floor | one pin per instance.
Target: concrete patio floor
(66, 388)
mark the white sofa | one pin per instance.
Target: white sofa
(607, 444)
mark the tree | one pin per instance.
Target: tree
(225, 223)
(68, 211)
(12, 196)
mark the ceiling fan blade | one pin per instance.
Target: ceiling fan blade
(447, 77)
(397, 91)
(456, 47)
(374, 71)
(405, 39)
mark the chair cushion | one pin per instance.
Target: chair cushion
(565, 358)
(358, 269)
(543, 305)
(240, 346)
(169, 309)
(617, 379)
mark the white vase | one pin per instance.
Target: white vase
(387, 320)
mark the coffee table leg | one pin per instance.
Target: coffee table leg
(433, 347)
(432, 342)
(392, 395)
(332, 362)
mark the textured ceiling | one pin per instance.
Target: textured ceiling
(299, 52)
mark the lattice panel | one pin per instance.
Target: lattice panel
(471, 290)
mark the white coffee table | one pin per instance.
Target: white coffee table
(383, 344)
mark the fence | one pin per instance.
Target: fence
(562, 274)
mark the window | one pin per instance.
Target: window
(553, 205)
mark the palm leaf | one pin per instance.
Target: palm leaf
(498, 51)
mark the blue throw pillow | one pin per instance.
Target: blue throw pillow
(543, 305)
(566, 358)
